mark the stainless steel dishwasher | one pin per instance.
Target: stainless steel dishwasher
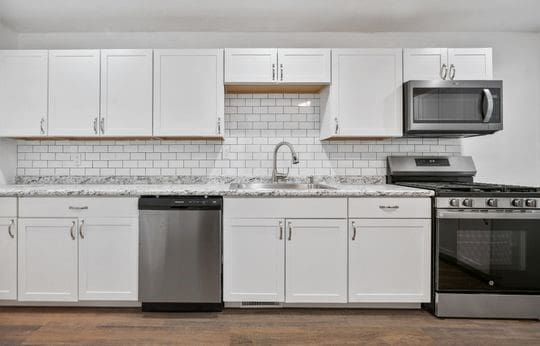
(180, 253)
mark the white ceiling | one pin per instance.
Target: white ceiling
(270, 15)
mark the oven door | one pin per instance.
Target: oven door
(461, 107)
(494, 251)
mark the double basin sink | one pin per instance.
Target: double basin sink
(281, 186)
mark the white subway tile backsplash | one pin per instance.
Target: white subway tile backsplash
(254, 124)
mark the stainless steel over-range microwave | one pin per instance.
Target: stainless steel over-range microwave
(452, 108)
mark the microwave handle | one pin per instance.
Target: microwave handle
(487, 105)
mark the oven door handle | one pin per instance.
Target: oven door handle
(487, 105)
(458, 214)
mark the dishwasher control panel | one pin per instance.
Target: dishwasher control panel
(180, 202)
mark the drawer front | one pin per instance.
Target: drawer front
(314, 208)
(78, 207)
(403, 208)
(8, 206)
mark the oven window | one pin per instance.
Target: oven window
(453, 105)
(488, 255)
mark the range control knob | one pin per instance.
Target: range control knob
(491, 202)
(530, 203)
(467, 202)
(516, 202)
(454, 202)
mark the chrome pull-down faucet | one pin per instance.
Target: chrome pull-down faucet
(277, 176)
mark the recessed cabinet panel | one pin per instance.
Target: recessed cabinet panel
(108, 259)
(389, 260)
(425, 64)
(126, 92)
(188, 92)
(23, 92)
(253, 260)
(74, 87)
(471, 63)
(251, 66)
(47, 266)
(316, 261)
(8, 258)
(304, 66)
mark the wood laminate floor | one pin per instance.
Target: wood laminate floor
(69, 326)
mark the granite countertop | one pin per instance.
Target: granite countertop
(342, 190)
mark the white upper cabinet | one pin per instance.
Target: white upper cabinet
(365, 97)
(23, 92)
(250, 66)
(447, 64)
(8, 258)
(389, 260)
(47, 266)
(74, 87)
(316, 261)
(470, 63)
(425, 64)
(283, 66)
(253, 260)
(304, 66)
(188, 92)
(126, 92)
(108, 259)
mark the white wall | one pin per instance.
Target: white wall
(511, 156)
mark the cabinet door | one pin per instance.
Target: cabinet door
(316, 261)
(8, 258)
(47, 253)
(470, 63)
(23, 92)
(250, 66)
(253, 260)
(368, 92)
(425, 64)
(108, 258)
(389, 260)
(73, 92)
(126, 92)
(188, 92)
(305, 66)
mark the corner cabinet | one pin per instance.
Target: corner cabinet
(365, 97)
(23, 92)
(188, 93)
(447, 64)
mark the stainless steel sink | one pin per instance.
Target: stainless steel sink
(280, 186)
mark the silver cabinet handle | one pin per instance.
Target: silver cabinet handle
(452, 71)
(389, 207)
(72, 230)
(487, 105)
(77, 208)
(281, 71)
(81, 229)
(353, 224)
(95, 125)
(444, 71)
(219, 126)
(280, 230)
(290, 230)
(337, 125)
(42, 126)
(102, 125)
(10, 228)
(273, 71)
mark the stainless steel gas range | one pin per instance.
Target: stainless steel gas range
(486, 239)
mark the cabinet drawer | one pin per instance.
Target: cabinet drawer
(404, 208)
(316, 208)
(8, 206)
(78, 207)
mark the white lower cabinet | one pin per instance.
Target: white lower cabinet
(389, 260)
(8, 258)
(47, 253)
(108, 259)
(253, 260)
(316, 261)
